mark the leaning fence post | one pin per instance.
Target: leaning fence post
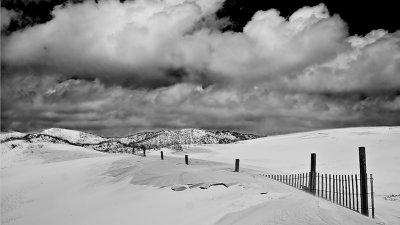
(162, 155)
(372, 197)
(236, 165)
(312, 173)
(187, 159)
(363, 182)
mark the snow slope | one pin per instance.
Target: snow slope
(337, 153)
(74, 136)
(4, 136)
(61, 184)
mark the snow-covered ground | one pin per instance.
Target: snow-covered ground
(337, 153)
(61, 184)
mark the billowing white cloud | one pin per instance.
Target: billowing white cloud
(372, 66)
(142, 38)
(165, 64)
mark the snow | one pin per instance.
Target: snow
(8, 135)
(46, 183)
(74, 136)
(337, 153)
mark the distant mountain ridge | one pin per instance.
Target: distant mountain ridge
(131, 144)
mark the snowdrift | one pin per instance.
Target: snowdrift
(45, 183)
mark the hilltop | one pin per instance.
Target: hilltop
(175, 139)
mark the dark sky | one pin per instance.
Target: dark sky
(361, 16)
(115, 68)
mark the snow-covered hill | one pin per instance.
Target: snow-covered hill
(129, 144)
(337, 153)
(11, 135)
(166, 138)
(336, 149)
(74, 136)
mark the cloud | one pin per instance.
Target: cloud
(121, 67)
(141, 41)
(114, 110)
(6, 17)
(371, 67)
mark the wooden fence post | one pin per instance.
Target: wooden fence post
(186, 159)
(340, 188)
(320, 190)
(363, 182)
(333, 188)
(330, 188)
(372, 197)
(352, 188)
(337, 189)
(312, 180)
(326, 186)
(162, 155)
(293, 180)
(342, 181)
(237, 165)
(346, 202)
(348, 190)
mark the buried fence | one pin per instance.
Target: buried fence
(350, 191)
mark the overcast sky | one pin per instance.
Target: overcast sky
(116, 68)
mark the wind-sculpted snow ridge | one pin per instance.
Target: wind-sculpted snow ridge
(130, 144)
